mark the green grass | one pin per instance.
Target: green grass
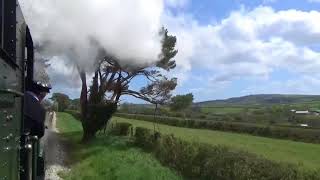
(108, 157)
(67, 124)
(305, 154)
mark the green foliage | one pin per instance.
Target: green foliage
(62, 100)
(203, 161)
(303, 154)
(159, 92)
(98, 116)
(181, 102)
(222, 109)
(55, 106)
(110, 158)
(147, 109)
(121, 129)
(265, 100)
(74, 104)
(74, 113)
(113, 78)
(66, 123)
(168, 50)
(125, 107)
(101, 112)
(107, 157)
(296, 134)
(145, 138)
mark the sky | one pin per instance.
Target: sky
(227, 48)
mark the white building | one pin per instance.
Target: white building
(304, 125)
(302, 112)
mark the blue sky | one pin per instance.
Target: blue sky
(227, 48)
(207, 11)
(284, 78)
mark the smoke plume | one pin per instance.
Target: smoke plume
(127, 29)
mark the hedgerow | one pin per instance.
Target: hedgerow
(295, 134)
(74, 113)
(203, 161)
(121, 129)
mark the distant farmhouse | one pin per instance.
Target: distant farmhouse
(304, 112)
(312, 112)
(304, 125)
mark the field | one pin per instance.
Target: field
(222, 110)
(304, 154)
(108, 157)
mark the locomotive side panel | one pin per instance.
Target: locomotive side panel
(11, 87)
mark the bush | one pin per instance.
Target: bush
(75, 114)
(202, 161)
(291, 133)
(146, 138)
(121, 129)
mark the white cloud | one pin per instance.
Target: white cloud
(176, 3)
(315, 1)
(246, 44)
(301, 85)
(249, 43)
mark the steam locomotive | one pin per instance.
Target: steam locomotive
(18, 151)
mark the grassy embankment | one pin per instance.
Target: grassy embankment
(304, 154)
(107, 157)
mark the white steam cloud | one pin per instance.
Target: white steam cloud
(127, 29)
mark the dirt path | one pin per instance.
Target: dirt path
(55, 155)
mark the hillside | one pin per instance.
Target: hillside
(262, 99)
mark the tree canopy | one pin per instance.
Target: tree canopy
(181, 102)
(74, 104)
(112, 79)
(62, 100)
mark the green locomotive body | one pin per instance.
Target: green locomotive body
(16, 53)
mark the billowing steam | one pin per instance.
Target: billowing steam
(73, 28)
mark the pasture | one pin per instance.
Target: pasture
(304, 154)
(222, 110)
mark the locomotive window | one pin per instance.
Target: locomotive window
(1, 12)
(9, 28)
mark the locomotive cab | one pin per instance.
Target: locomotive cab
(17, 153)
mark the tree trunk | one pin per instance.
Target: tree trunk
(84, 95)
(88, 133)
(94, 113)
(97, 117)
(87, 137)
(154, 118)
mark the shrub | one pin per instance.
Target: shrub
(146, 138)
(121, 129)
(75, 114)
(202, 161)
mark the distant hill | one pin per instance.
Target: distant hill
(262, 99)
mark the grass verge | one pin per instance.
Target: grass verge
(108, 157)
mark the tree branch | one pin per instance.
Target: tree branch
(136, 94)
